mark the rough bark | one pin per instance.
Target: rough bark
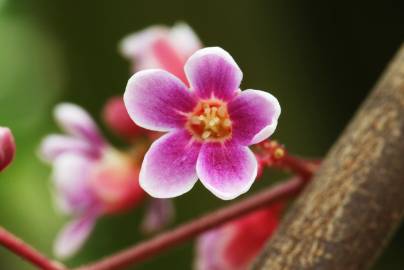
(348, 213)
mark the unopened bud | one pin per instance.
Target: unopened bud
(7, 147)
(117, 119)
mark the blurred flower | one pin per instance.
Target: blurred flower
(234, 245)
(91, 177)
(7, 147)
(161, 47)
(210, 126)
(153, 47)
(117, 119)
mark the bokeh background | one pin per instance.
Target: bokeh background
(320, 58)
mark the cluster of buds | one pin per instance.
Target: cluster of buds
(269, 153)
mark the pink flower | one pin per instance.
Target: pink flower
(91, 177)
(161, 47)
(7, 147)
(210, 126)
(235, 245)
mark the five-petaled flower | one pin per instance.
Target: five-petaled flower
(234, 245)
(210, 126)
(92, 178)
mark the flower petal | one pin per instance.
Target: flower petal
(184, 39)
(251, 232)
(159, 213)
(209, 249)
(254, 115)
(168, 58)
(77, 122)
(54, 145)
(235, 244)
(70, 174)
(212, 72)
(161, 47)
(168, 168)
(136, 44)
(157, 100)
(227, 170)
(74, 234)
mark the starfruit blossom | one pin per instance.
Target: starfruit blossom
(209, 126)
(91, 177)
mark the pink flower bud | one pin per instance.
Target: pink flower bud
(7, 147)
(118, 120)
(235, 244)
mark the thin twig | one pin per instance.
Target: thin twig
(299, 166)
(175, 237)
(272, 154)
(28, 253)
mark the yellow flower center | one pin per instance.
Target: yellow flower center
(210, 120)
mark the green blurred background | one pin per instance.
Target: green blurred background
(320, 58)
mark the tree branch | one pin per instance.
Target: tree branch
(17, 246)
(354, 204)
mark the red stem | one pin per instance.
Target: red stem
(17, 246)
(271, 153)
(301, 167)
(166, 240)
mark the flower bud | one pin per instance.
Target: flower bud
(117, 119)
(7, 147)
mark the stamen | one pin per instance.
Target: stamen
(206, 134)
(279, 153)
(210, 120)
(214, 121)
(222, 111)
(195, 120)
(227, 123)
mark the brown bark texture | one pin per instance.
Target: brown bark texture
(348, 213)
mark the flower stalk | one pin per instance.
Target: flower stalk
(20, 248)
(272, 154)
